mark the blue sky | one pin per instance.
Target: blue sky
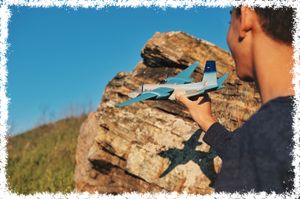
(61, 58)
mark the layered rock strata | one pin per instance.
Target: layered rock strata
(155, 146)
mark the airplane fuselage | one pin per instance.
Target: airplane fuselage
(188, 90)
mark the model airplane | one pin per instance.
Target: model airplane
(180, 83)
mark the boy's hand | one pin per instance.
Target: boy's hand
(200, 110)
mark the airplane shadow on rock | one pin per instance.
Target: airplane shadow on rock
(183, 156)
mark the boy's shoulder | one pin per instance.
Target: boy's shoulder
(272, 121)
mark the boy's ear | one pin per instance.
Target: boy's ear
(246, 21)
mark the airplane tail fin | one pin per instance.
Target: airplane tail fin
(210, 74)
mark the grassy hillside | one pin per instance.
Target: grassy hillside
(43, 159)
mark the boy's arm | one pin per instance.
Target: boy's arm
(216, 135)
(243, 167)
(199, 109)
(219, 138)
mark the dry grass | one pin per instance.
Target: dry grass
(43, 159)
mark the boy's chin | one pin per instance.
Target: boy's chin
(245, 78)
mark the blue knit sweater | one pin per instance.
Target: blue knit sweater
(256, 156)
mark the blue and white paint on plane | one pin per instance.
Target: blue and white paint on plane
(181, 83)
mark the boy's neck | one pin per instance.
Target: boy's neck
(273, 64)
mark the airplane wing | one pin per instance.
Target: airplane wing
(221, 81)
(151, 94)
(139, 98)
(184, 76)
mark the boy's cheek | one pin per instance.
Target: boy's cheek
(229, 39)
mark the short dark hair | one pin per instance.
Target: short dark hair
(278, 23)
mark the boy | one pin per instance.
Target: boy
(257, 156)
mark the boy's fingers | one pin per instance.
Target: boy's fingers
(181, 98)
(206, 97)
(203, 99)
(199, 100)
(187, 102)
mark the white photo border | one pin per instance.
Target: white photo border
(5, 15)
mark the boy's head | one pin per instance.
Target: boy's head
(250, 25)
(276, 23)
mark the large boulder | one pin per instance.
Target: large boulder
(153, 146)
